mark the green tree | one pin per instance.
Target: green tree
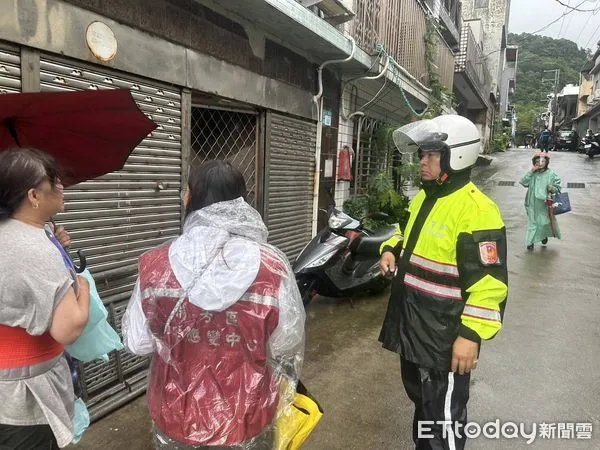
(536, 54)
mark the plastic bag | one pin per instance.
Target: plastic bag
(296, 424)
(98, 338)
(81, 420)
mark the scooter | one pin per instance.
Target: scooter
(592, 145)
(343, 259)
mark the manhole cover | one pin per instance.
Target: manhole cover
(575, 185)
(506, 183)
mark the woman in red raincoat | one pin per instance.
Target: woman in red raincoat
(220, 312)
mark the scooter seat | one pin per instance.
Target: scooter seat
(369, 245)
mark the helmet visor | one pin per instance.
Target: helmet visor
(424, 135)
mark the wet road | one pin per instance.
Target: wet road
(543, 367)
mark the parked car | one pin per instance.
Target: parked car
(566, 140)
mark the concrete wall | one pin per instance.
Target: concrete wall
(346, 132)
(595, 123)
(195, 26)
(585, 89)
(507, 75)
(58, 27)
(477, 28)
(493, 17)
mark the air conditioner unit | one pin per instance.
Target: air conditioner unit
(336, 12)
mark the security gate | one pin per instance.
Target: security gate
(117, 217)
(229, 135)
(10, 71)
(289, 180)
(375, 154)
(366, 158)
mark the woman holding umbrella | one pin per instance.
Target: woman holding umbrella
(43, 307)
(541, 182)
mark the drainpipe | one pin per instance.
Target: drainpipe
(365, 77)
(318, 99)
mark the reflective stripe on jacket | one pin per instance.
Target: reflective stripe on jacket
(452, 276)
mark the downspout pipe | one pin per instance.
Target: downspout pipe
(365, 77)
(318, 99)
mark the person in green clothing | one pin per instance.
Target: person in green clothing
(541, 183)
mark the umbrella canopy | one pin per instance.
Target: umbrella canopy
(90, 133)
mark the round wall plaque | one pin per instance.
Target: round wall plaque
(101, 41)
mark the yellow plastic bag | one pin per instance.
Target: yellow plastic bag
(293, 428)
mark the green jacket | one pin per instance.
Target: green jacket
(538, 220)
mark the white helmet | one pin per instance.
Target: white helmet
(455, 134)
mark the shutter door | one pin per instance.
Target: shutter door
(117, 217)
(290, 156)
(10, 71)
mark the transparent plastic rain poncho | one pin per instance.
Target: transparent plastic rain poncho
(220, 311)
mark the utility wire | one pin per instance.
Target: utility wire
(592, 36)
(563, 15)
(562, 24)
(584, 26)
(576, 8)
(537, 31)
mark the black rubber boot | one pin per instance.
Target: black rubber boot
(545, 241)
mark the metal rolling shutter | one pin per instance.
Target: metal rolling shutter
(10, 71)
(117, 217)
(290, 157)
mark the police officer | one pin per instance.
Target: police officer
(450, 285)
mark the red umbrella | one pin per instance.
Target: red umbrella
(549, 204)
(90, 133)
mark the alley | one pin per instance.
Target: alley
(543, 367)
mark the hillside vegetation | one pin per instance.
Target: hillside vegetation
(536, 54)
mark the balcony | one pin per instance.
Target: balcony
(470, 77)
(309, 33)
(400, 27)
(448, 12)
(594, 99)
(586, 88)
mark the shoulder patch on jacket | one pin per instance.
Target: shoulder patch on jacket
(488, 253)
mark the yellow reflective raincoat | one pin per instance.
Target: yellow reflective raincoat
(452, 276)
